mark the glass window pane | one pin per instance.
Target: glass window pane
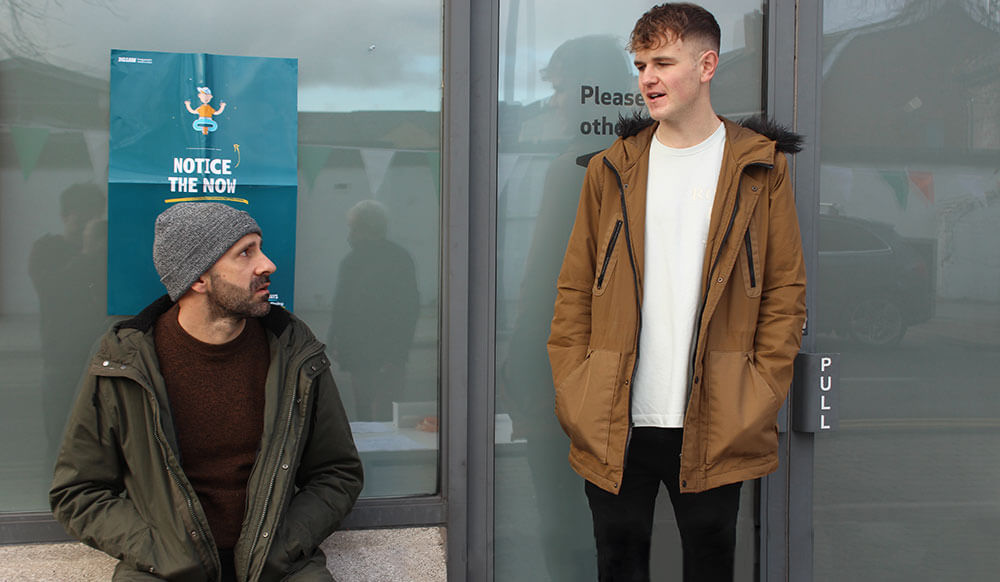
(368, 237)
(906, 490)
(564, 79)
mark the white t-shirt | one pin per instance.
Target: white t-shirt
(679, 197)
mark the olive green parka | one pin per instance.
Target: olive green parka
(746, 336)
(120, 488)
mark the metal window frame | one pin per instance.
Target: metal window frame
(472, 46)
(793, 81)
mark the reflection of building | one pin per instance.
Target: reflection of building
(929, 78)
(911, 130)
(53, 126)
(736, 87)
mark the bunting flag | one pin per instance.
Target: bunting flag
(28, 144)
(899, 183)
(505, 167)
(312, 160)
(376, 165)
(837, 185)
(975, 186)
(924, 181)
(97, 147)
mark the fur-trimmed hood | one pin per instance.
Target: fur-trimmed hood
(786, 140)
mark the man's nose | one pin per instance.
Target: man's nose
(265, 266)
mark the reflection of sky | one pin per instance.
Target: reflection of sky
(381, 54)
(554, 22)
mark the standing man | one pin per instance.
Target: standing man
(208, 441)
(679, 312)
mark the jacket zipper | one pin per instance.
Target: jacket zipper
(638, 301)
(607, 254)
(202, 535)
(281, 453)
(753, 276)
(715, 263)
(177, 481)
(711, 272)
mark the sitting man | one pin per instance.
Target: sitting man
(208, 440)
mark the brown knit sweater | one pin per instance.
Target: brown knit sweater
(216, 397)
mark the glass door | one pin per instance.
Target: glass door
(564, 78)
(908, 291)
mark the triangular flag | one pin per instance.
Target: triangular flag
(312, 160)
(838, 185)
(376, 164)
(97, 147)
(974, 185)
(899, 183)
(924, 181)
(28, 144)
(505, 166)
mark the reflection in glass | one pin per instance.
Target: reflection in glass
(374, 313)
(909, 291)
(358, 141)
(68, 271)
(565, 78)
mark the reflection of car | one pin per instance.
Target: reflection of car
(873, 283)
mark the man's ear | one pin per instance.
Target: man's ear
(201, 284)
(709, 63)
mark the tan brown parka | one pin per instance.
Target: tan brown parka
(747, 334)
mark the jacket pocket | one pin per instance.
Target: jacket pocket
(584, 402)
(608, 262)
(750, 263)
(743, 409)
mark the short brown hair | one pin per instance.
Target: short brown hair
(667, 23)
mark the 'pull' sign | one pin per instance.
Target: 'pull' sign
(817, 388)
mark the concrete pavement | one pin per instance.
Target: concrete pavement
(386, 555)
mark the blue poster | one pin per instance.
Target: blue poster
(198, 127)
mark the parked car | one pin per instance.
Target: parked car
(873, 283)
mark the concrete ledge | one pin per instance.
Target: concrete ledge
(399, 555)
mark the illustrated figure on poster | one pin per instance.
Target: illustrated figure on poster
(205, 123)
(375, 308)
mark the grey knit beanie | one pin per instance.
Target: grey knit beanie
(191, 236)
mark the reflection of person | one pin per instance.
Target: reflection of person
(594, 61)
(205, 123)
(718, 284)
(526, 378)
(208, 441)
(374, 312)
(68, 273)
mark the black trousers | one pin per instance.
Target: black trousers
(623, 523)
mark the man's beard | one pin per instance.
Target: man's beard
(228, 301)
